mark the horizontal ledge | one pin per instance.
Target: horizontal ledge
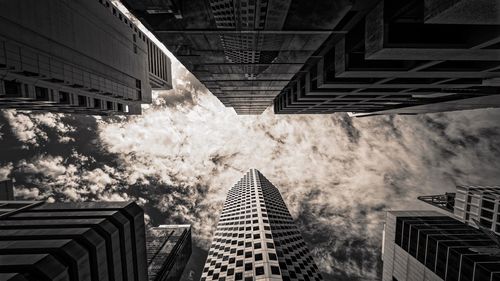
(256, 64)
(232, 31)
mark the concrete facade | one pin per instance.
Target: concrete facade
(428, 246)
(72, 241)
(245, 51)
(76, 57)
(403, 57)
(256, 238)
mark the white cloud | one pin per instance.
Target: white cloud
(31, 129)
(5, 171)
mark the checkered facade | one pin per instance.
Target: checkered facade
(256, 238)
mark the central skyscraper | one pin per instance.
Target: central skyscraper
(256, 238)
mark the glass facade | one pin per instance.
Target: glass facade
(168, 250)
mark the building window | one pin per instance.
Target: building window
(63, 97)
(41, 94)
(275, 270)
(13, 89)
(82, 101)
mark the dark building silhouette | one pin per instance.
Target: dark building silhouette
(256, 237)
(6, 190)
(72, 241)
(426, 245)
(168, 251)
(316, 57)
(403, 57)
(81, 56)
(245, 52)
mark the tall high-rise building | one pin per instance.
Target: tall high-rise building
(404, 57)
(96, 241)
(245, 52)
(168, 251)
(81, 56)
(317, 57)
(429, 246)
(256, 238)
(6, 190)
(471, 204)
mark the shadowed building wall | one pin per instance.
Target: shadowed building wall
(72, 241)
(168, 251)
(245, 51)
(6, 190)
(403, 57)
(81, 56)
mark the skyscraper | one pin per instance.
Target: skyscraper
(245, 52)
(72, 241)
(168, 251)
(81, 56)
(426, 245)
(318, 57)
(471, 204)
(256, 238)
(404, 57)
(6, 190)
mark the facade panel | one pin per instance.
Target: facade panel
(168, 251)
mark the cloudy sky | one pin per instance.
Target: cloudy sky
(338, 175)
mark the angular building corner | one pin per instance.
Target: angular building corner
(72, 241)
(256, 238)
(88, 241)
(403, 57)
(81, 56)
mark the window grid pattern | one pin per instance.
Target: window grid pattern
(243, 48)
(481, 203)
(256, 238)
